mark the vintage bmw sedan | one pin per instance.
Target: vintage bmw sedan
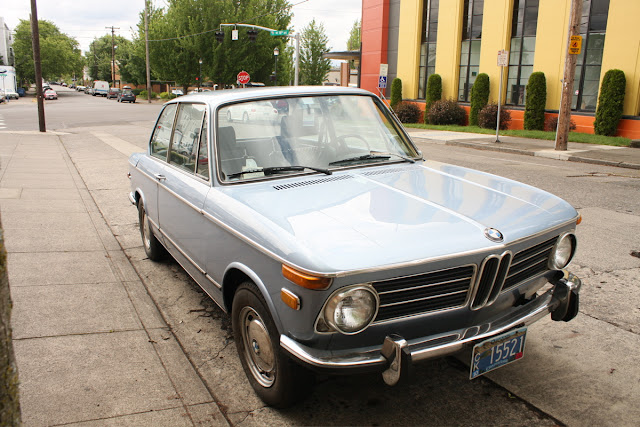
(336, 246)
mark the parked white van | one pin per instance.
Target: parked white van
(100, 88)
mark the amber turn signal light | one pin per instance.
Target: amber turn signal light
(290, 299)
(305, 280)
(579, 220)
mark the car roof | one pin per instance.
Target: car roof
(219, 97)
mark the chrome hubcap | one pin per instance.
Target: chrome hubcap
(259, 352)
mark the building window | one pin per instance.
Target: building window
(593, 26)
(470, 47)
(523, 45)
(428, 47)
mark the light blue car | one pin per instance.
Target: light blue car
(335, 246)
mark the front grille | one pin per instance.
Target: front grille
(492, 277)
(423, 293)
(528, 263)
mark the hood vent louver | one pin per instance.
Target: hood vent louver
(383, 171)
(311, 182)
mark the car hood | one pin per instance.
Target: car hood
(378, 216)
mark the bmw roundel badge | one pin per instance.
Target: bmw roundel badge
(493, 235)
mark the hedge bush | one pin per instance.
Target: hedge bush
(488, 117)
(479, 97)
(535, 102)
(446, 112)
(136, 92)
(407, 112)
(434, 92)
(167, 95)
(396, 92)
(610, 103)
(143, 94)
(552, 124)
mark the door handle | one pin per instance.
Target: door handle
(159, 177)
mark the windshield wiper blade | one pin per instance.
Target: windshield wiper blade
(405, 158)
(277, 169)
(373, 155)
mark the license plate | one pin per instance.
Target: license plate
(497, 352)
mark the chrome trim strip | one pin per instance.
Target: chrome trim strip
(497, 287)
(216, 284)
(529, 314)
(393, 304)
(394, 291)
(132, 198)
(183, 253)
(531, 256)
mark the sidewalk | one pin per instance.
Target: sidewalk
(90, 344)
(606, 155)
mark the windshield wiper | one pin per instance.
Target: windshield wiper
(277, 169)
(373, 155)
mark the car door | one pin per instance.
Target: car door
(185, 185)
(153, 166)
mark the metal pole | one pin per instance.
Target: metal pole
(35, 36)
(499, 104)
(199, 74)
(297, 63)
(146, 48)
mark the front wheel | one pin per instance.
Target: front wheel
(276, 379)
(152, 246)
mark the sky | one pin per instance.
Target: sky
(86, 20)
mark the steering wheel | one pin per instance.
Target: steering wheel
(342, 139)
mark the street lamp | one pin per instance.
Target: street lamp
(276, 52)
(199, 74)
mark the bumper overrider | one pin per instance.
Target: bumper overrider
(396, 355)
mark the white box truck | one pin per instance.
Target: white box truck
(100, 88)
(8, 81)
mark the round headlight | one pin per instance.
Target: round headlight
(350, 311)
(562, 252)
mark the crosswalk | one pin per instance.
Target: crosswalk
(2, 125)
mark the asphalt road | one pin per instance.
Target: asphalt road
(585, 372)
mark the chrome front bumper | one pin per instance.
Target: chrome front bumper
(396, 354)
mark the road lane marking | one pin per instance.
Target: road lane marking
(118, 144)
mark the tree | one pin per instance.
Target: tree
(354, 40)
(59, 53)
(479, 97)
(434, 93)
(535, 102)
(99, 56)
(313, 43)
(610, 103)
(396, 92)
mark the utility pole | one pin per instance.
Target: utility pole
(564, 113)
(113, 55)
(35, 39)
(146, 48)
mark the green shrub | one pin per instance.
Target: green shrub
(488, 117)
(136, 92)
(610, 103)
(535, 102)
(446, 112)
(552, 124)
(396, 92)
(479, 97)
(434, 91)
(143, 94)
(167, 95)
(407, 112)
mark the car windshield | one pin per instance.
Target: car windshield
(127, 92)
(312, 132)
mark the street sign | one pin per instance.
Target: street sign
(234, 34)
(384, 69)
(243, 77)
(280, 33)
(503, 58)
(575, 45)
(382, 82)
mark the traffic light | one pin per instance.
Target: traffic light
(252, 33)
(219, 36)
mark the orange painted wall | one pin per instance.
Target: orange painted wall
(374, 36)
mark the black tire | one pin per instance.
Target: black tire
(152, 247)
(276, 379)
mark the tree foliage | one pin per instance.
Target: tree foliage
(535, 102)
(354, 40)
(183, 33)
(610, 103)
(434, 92)
(479, 97)
(98, 57)
(59, 54)
(396, 92)
(313, 43)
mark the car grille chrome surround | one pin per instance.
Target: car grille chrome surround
(433, 291)
(456, 287)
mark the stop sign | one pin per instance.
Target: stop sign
(243, 77)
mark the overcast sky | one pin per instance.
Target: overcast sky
(86, 20)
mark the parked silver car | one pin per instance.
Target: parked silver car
(335, 246)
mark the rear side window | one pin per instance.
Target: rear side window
(162, 133)
(186, 137)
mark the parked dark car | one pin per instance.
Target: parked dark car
(335, 246)
(21, 91)
(127, 95)
(114, 92)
